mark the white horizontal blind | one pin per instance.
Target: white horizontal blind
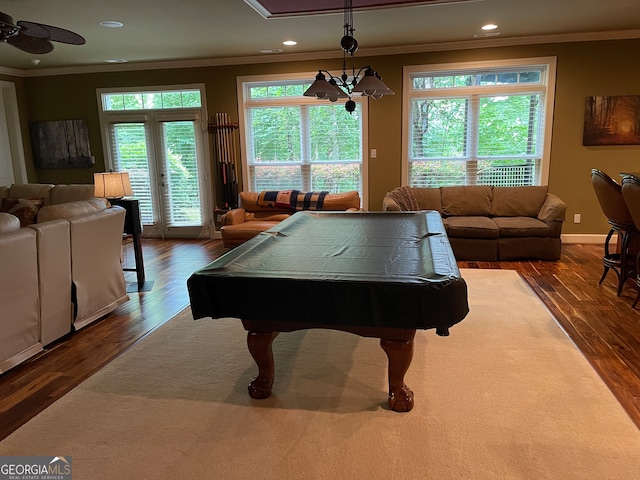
(129, 150)
(295, 143)
(180, 176)
(476, 127)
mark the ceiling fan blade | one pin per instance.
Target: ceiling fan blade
(56, 34)
(30, 44)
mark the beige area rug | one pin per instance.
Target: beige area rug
(506, 396)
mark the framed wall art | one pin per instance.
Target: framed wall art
(612, 120)
(61, 144)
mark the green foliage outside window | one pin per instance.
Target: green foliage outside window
(309, 147)
(151, 100)
(276, 134)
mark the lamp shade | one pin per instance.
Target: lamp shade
(322, 89)
(112, 185)
(372, 85)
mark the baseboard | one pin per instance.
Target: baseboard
(573, 238)
(18, 358)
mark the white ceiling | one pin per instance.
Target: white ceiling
(220, 31)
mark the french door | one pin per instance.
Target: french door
(163, 153)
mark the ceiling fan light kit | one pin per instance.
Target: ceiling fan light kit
(32, 37)
(370, 84)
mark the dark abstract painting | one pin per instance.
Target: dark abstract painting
(61, 144)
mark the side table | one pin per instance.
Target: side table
(133, 227)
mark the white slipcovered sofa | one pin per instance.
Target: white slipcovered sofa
(61, 272)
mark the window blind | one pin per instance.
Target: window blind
(295, 144)
(129, 153)
(476, 127)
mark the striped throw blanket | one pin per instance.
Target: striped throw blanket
(403, 196)
(291, 199)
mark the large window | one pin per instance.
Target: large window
(483, 123)
(296, 142)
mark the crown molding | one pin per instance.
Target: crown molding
(14, 72)
(294, 57)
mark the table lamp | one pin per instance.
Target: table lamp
(112, 185)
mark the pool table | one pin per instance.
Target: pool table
(374, 274)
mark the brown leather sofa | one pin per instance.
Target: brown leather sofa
(491, 223)
(61, 272)
(251, 218)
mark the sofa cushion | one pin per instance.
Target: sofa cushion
(32, 190)
(471, 227)
(71, 209)
(521, 227)
(71, 193)
(25, 209)
(466, 200)
(271, 216)
(428, 198)
(233, 235)
(518, 201)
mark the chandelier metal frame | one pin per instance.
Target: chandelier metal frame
(345, 86)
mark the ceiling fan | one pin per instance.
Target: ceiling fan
(34, 37)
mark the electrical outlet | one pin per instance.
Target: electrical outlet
(374, 153)
(576, 218)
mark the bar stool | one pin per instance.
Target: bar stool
(609, 194)
(631, 195)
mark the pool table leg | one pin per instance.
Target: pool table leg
(400, 354)
(260, 348)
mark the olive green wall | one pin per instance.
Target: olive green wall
(583, 69)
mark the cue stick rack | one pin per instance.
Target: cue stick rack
(223, 131)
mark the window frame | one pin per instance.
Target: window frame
(548, 88)
(244, 102)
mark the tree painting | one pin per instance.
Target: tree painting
(612, 120)
(61, 144)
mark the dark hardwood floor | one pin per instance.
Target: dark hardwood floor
(603, 326)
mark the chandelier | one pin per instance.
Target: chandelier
(345, 86)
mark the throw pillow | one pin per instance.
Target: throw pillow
(25, 209)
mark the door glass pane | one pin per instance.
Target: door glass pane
(129, 147)
(180, 184)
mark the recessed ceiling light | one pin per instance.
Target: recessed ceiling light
(111, 24)
(289, 43)
(116, 60)
(489, 26)
(271, 50)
